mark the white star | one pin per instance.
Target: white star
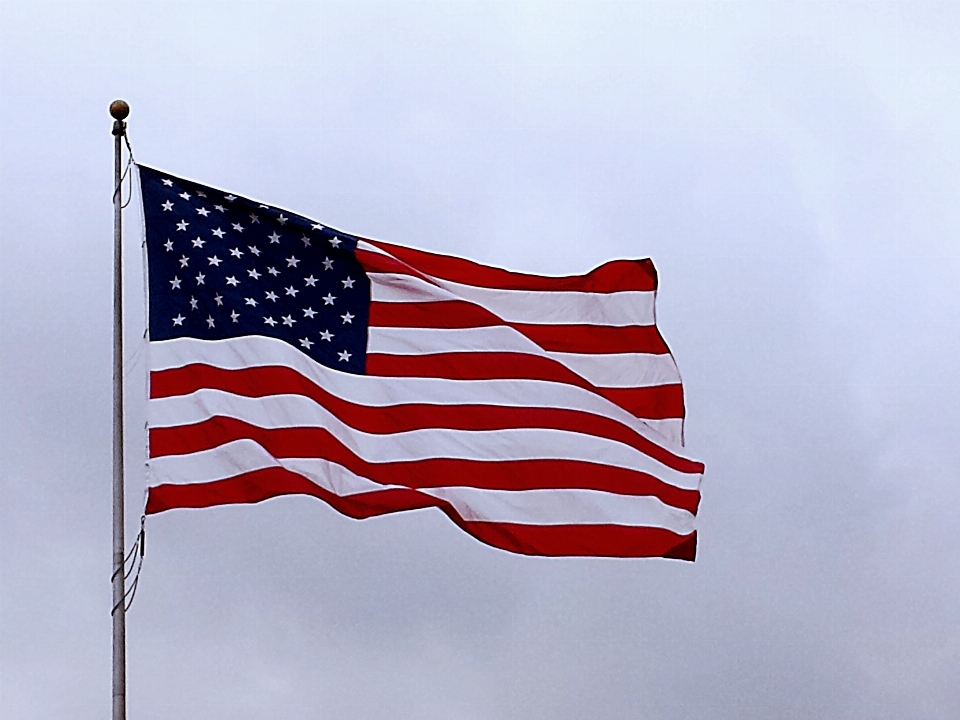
(232, 281)
(348, 283)
(328, 299)
(234, 315)
(292, 261)
(178, 320)
(273, 271)
(335, 241)
(167, 206)
(254, 249)
(327, 264)
(218, 299)
(210, 322)
(282, 220)
(203, 211)
(168, 245)
(326, 335)
(221, 208)
(251, 301)
(310, 281)
(305, 240)
(254, 218)
(182, 225)
(184, 261)
(198, 242)
(288, 320)
(291, 291)
(236, 252)
(215, 261)
(271, 296)
(168, 183)
(238, 227)
(193, 303)
(306, 342)
(185, 195)
(200, 277)
(175, 283)
(254, 274)
(265, 207)
(218, 232)
(317, 226)
(347, 318)
(201, 194)
(309, 312)
(274, 238)
(230, 198)
(344, 356)
(269, 321)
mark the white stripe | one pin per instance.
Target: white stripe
(615, 370)
(369, 247)
(669, 429)
(630, 307)
(399, 287)
(621, 370)
(564, 507)
(259, 351)
(423, 341)
(297, 411)
(529, 507)
(242, 456)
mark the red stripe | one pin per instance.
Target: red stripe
(278, 380)
(585, 540)
(309, 442)
(611, 277)
(549, 540)
(443, 314)
(595, 339)
(259, 485)
(658, 402)
(459, 314)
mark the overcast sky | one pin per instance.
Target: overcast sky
(793, 169)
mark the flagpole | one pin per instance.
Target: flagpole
(119, 111)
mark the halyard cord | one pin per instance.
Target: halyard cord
(131, 592)
(126, 171)
(126, 560)
(139, 543)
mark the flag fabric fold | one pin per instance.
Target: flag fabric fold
(543, 415)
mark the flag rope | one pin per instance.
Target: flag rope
(138, 545)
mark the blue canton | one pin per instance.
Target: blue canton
(222, 266)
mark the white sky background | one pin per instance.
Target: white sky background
(792, 168)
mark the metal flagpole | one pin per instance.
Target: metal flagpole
(119, 110)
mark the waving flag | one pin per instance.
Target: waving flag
(543, 415)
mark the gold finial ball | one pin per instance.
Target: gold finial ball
(119, 109)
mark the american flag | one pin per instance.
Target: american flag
(543, 415)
